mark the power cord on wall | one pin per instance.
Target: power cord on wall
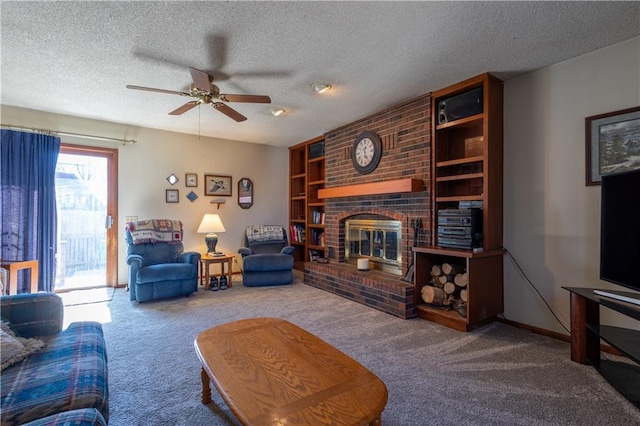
(602, 354)
(534, 287)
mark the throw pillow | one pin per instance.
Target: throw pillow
(13, 348)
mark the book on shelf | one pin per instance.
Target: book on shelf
(297, 233)
(317, 218)
(317, 238)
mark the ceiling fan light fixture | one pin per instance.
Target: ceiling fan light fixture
(320, 87)
(276, 111)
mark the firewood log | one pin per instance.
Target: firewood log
(462, 310)
(432, 295)
(448, 300)
(436, 271)
(443, 279)
(449, 288)
(461, 280)
(448, 269)
(463, 294)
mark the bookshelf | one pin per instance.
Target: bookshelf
(306, 209)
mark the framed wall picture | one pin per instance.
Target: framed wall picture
(172, 179)
(245, 193)
(191, 180)
(172, 196)
(613, 143)
(216, 185)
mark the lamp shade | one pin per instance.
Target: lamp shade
(211, 223)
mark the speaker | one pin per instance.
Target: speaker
(316, 150)
(460, 106)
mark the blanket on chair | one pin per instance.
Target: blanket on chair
(257, 233)
(155, 230)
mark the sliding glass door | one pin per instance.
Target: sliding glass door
(86, 202)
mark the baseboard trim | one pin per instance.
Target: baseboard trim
(555, 335)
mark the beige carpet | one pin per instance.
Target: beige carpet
(498, 375)
(88, 296)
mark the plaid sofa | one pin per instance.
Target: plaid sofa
(66, 381)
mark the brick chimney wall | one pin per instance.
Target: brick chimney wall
(405, 132)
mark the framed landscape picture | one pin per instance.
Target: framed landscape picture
(215, 185)
(613, 143)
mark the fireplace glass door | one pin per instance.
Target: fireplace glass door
(378, 240)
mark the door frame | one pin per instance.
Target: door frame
(111, 155)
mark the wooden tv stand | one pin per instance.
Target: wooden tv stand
(586, 332)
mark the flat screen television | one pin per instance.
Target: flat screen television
(620, 234)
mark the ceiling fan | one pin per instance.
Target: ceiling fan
(206, 92)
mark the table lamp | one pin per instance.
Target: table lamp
(211, 224)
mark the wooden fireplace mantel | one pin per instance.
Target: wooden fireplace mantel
(375, 188)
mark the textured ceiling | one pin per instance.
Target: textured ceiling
(76, 57)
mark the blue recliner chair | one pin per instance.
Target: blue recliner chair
(267, 257)
(158, 266)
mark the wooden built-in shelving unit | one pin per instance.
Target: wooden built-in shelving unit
(467, 164)
(306, 208)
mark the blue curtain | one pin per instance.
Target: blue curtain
(28, 203)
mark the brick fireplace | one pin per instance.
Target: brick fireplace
(405, 132)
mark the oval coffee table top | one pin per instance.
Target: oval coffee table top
(270, 371)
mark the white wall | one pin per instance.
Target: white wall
(551, 217)
(144, 167)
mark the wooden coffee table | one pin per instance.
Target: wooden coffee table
(270, 371)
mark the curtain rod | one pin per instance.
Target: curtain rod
(80, 135)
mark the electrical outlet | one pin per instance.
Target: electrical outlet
(131, 218)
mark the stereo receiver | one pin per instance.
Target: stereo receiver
(460, 228)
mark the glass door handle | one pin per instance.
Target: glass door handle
(108, 222)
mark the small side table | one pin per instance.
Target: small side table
(13, 266)
(206, 260)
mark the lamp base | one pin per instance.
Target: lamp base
(211, 240)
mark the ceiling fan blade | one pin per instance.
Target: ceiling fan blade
(201, 79)
(184, 108)
(256, 99)
(228, 111)
(151, 89)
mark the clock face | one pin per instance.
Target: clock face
(366, 152)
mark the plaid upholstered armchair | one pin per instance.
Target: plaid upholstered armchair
(267, 256)
(158, 265)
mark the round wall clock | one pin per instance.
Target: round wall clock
(366, 152)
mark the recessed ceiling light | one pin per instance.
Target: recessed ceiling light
(320, 87)
(276, 111)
